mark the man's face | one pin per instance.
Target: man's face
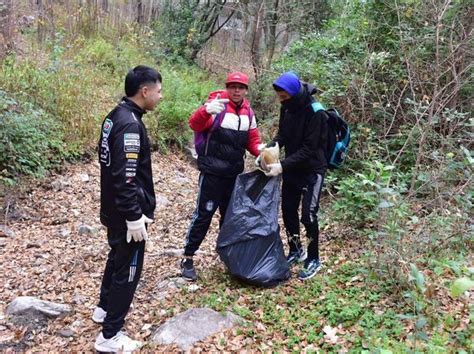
(283, 96)
(151, 95)
(236, 92)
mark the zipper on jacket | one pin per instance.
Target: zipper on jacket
(237, 111)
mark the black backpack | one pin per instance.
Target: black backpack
(339, 136)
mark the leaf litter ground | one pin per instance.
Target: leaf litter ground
(59, 250)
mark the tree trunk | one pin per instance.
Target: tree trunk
(69, 18)
(6, 27)
(92, 25)
(41, 21)
(272, 33)
(50, 19)
(255, 47)
(140, 18)
(155, 10)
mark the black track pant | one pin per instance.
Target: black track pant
(122, 273)
(308, 188)
(214, 192)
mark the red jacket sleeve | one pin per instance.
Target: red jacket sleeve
(253, 141)
(200, 120)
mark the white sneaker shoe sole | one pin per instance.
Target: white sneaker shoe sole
(108, 350)
(101, 349)
(111, 345)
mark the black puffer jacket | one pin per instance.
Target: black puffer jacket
(221, 140)
(303, 133)
(125, 165)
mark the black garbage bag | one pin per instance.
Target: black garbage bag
(249, 240)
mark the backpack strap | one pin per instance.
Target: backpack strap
(251, 115)
(317, 107)
(215, 124)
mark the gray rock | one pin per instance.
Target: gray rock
(76, 324)
(84, 177)
(5, 231)
(173, 252)
(79, 299)
(181, 178)
(161, 202)
(59, 185)
(177, 252)
(167, 285)
(65, 231)
(66, 332)
(192, 326)
(25, 305)
(86, 230)
(171, 283)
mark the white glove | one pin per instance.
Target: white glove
(217, 105)
(261, 147)
(274, 170)
(137, 229)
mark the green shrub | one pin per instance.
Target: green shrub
(334, 58)
(31, 140)
(362, 193)
(183, 91)
(85, 81)
(79, 85)
(99, 52)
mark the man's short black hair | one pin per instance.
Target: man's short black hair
(138, 77)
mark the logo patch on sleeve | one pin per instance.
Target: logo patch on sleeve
(107, 127)
(131, 142)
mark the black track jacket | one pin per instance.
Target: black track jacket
(126, 190)
(303, 133)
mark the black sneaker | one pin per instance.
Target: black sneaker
(296, 257)
(311, 267)
(187, 270)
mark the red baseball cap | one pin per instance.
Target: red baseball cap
(237, 78)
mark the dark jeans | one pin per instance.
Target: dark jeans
(308, 189)
(214, 192)
(121, 275)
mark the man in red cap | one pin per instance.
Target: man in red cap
(225, 127)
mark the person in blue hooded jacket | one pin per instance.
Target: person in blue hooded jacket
(303, 134)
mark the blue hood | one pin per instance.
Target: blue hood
(288, 82)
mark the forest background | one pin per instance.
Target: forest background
(400, 72)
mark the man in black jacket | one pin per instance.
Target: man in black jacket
(303, 133)
(127, 204)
